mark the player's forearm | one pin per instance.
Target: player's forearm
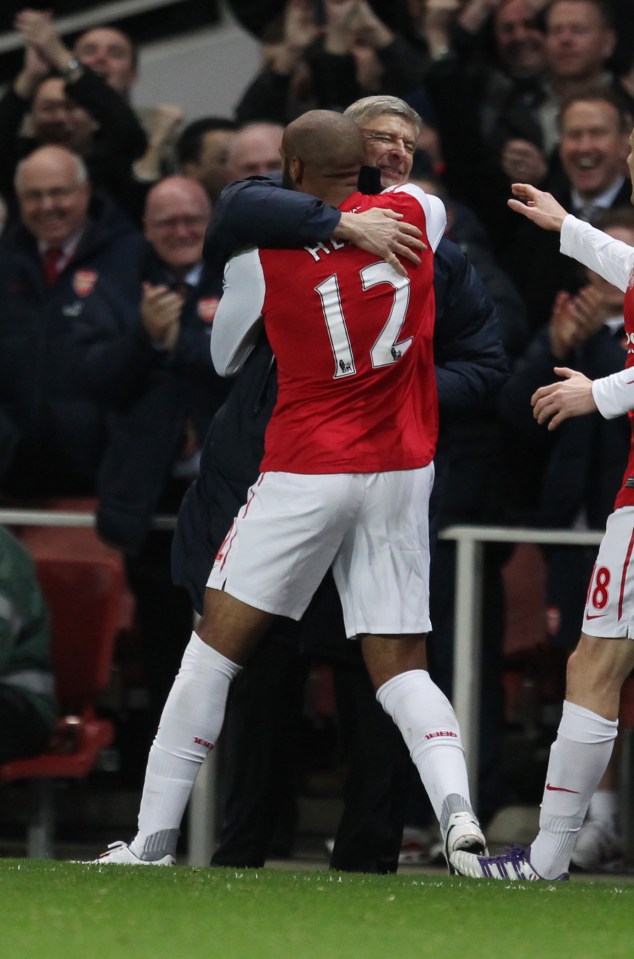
(259, 213)
(614, 394)
(612, 259)
(237, 322)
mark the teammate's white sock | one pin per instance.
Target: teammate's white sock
(578, 758)
(429, 726)
(604, 806)
(190, 725)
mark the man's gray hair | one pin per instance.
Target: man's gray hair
(368, 108)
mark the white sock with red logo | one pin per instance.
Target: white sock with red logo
(190, 725)
(429, 726)
(578, 758)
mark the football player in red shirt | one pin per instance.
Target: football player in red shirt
(604, 656)
(345, 483)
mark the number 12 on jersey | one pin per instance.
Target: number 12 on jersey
(386, 349)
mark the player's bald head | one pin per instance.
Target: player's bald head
(324, 139)
(324, 147)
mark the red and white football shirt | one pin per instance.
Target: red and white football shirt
(353, 344)
(614, 261)
(625, 496)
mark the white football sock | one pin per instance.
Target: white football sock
(190, 725)
(578, 758)
(604, 806)
(429, 726)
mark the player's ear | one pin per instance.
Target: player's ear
(297, 169)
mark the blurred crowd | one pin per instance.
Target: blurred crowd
(107, 390)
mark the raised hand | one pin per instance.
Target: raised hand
(161, 313)
(570, 397)
(542, 208)
(591, 310)
(522, 160)
(339, 29)
(437, 16)
(300, 28)
(38, 31)
(368, 28)
(34, 68)
(575, 319)
(563, 328)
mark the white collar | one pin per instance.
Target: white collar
(604, 200)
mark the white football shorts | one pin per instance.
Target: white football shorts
(372, 528)
(609, 608)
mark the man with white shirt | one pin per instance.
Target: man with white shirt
(604, 656)
(345, 482)
(594, 127)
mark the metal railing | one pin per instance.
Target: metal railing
(470, 543)
(73, 519)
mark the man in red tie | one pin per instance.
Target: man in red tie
(53, 257)
(72, 256)
(53, 191)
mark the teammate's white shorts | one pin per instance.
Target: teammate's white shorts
(372, 528)
(609, 608)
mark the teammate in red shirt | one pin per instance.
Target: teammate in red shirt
(604, 656)
(346, 479)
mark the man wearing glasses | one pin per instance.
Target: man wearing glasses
(153, 371)
(59, 264)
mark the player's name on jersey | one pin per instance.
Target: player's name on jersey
(321, 248)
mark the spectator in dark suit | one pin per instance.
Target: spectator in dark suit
(113, 55)
(593, 149)
(151, 369)
(71, 105)
(72, 257)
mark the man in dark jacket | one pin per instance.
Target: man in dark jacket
(594, 127)
(70, 105)
(70, 258)
(471, 369)
(470, 366)
(151, 369)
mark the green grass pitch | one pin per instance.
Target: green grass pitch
(60, 910)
